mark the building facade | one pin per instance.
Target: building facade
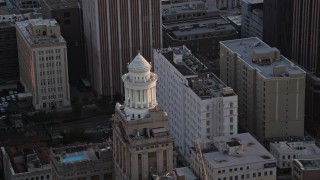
(114, 31)
(199, 104)
(271, 88)
(9, 67)
(69, 16)
(43, 63)
(252, 18)
(83, 162)
(306, 169)
(235, 157)
(141, 140)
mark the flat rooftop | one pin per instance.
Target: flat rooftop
(24, 27)
(309, 164)
(186, 7)
(33, 155)
(235, 19)
(200, 79)
(303, 148)
(253, 152)
(186, 173)
(62, 4)
(210, 27)
(253, 1)
(249, 48)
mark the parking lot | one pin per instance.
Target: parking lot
(10, 104)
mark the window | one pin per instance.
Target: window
(231, 111)
(231, 119)
(271, 172)
(231, 127)
(266, 173)
(254, 175)
(259, 174)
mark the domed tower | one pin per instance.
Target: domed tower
(142, 144)
(140, 88)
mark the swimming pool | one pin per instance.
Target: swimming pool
(74, 157)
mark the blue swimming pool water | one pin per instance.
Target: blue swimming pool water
(72, 158)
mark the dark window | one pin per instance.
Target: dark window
(67, 21)
(66, 14)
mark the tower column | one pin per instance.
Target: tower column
(145, 98)
(141, 99)
(136, 99)
(155, 96)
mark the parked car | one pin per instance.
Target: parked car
(3, 99)
(5, 104)
(8, 98)
(2, 110)
(13, 97)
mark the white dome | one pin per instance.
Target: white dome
(139, 64)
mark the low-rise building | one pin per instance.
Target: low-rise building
(90, 162)
(25, 163)
(235, 157)
(199, 104)
(293, 148)
(306, 169)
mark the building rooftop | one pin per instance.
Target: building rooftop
(62, 4)
(253, 1)
(204, 28)
(80, 153)
(200, 79)
(303, 148)
(309, 164)
(187, 10)
(248, 150)
(266, 60)
(186, 173)
(235, 19)
(29, 156)
(28, 27)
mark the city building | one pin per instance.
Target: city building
(200, 36)
(235, 21)
(271, 88)
(26, 163)
(43, 63)
(26, 6)
(306, 169)
(199, 104)
(9, 67)
(187, 10)
(85, 162)
(114, 31)
(69, 16)
(141, 140)
(227, 4)
(235, 157)
(252, 18)
(182, 173)
(294, 148)
(277, 27)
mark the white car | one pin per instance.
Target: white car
(3, 99)
(5, 104)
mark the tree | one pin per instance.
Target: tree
(76, 108)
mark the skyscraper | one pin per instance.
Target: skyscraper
(297, 25)
(114, 31)
(141, 141)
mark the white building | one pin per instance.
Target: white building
(199, 105)
(19, 164)
(293, 148)
(234, 158)
(43, 62)
(252, 18)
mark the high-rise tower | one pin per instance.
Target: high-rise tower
(141, 141)
(113, 32)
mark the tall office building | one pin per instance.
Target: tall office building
(252, 18)
(271, 88)
(114, 30)
(141, 141)
(43, 62)
(68, 14)
(277, 26)
(198, 103)
(296, 23)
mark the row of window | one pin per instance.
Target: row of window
(50, 73)
(37, 178)
(51, 81)
(50, 65)
(247, 176)
(51, 51)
